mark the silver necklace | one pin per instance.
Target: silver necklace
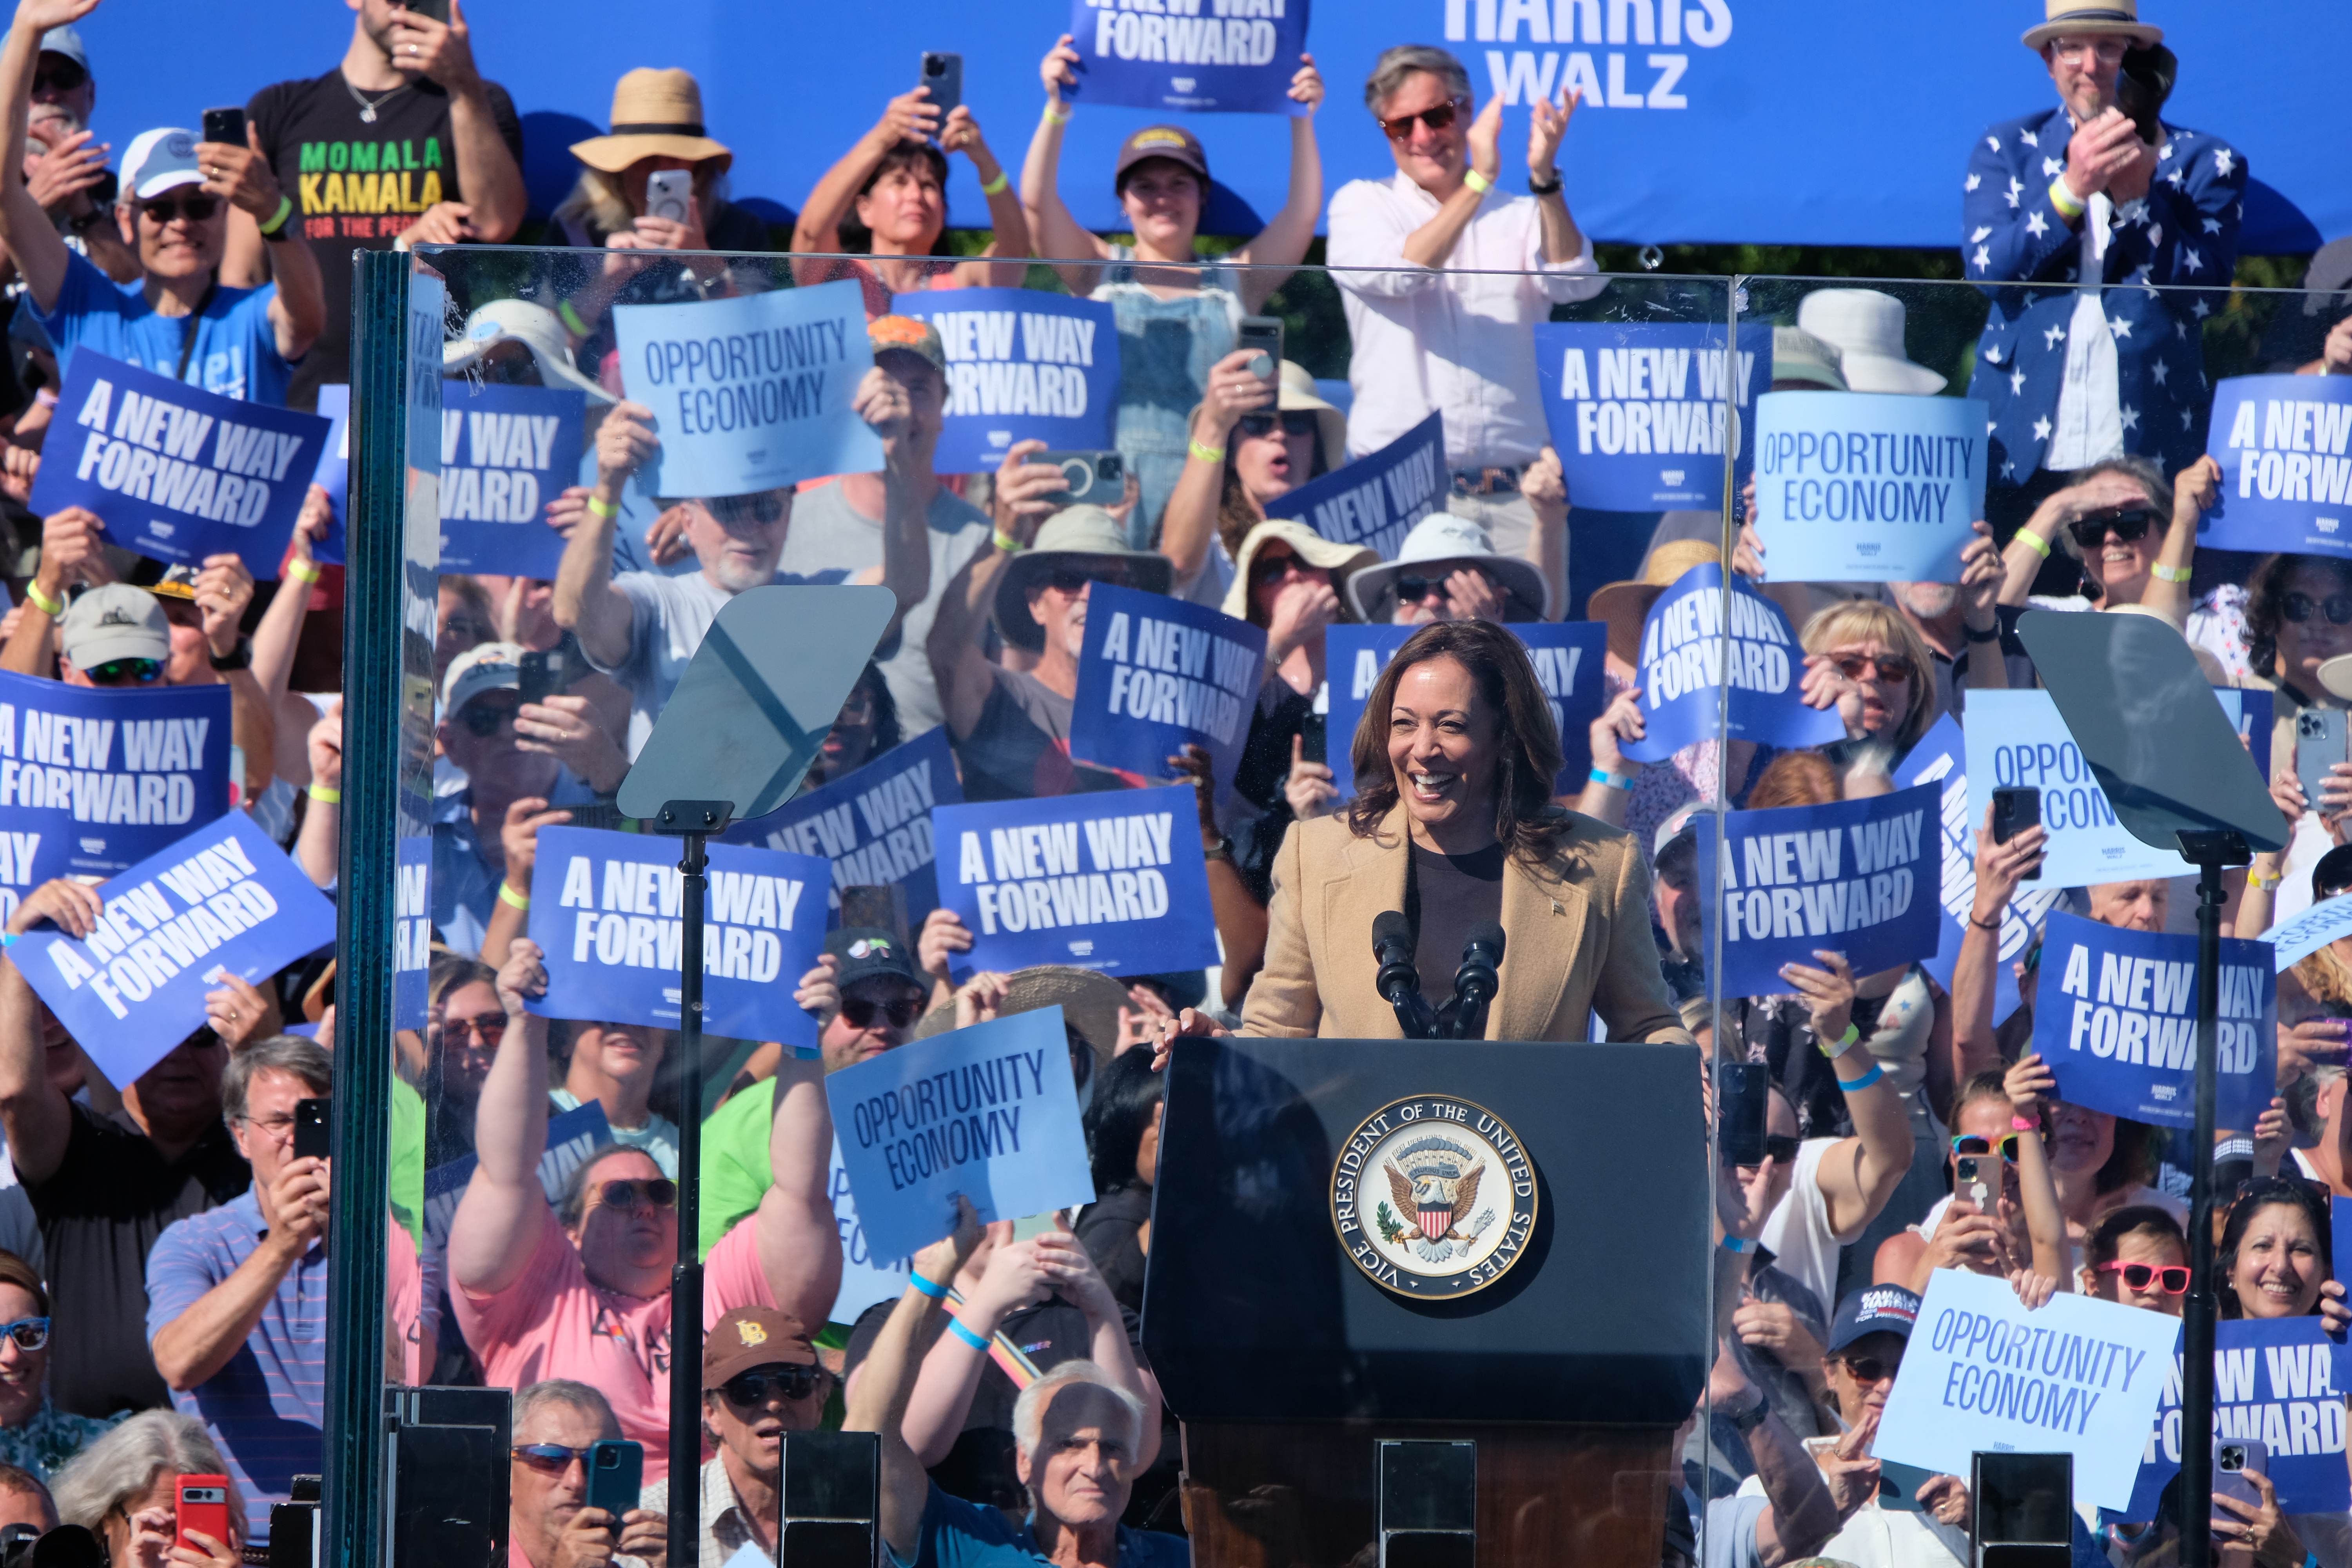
(367, 108)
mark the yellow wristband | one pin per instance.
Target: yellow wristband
(50, 607)
(1208, 454)
(2170, 573)
(1007, 543)
(2063, 200)
(1477, 182)
(1054, 119)
(303, 571)
(2256, 879)
(996, 185)
(607, 511)
(511, 899)
(324, 796)
(2033, 541)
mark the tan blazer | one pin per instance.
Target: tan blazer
(1576, 936)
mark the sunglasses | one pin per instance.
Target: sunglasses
(660, 1193)
(126, 672)
(489, 1029)
(1969, 1144)
(2128, 525)
(1890, 667)
(552, 1458)
(860, 1011)
(2297, 607)
(1257, 426)
(1063, 580)
(194, 209)
(30, 1333)
(62, 77)
(1274, 568)
(761, 506)
(1411, 587)
(1436, 119)
(484, 719)
(789, 1381)
(2172, 1279)
(1870, 1369)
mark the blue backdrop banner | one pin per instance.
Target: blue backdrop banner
(1022, 365)
(333, 473)
(2285, 444)
(1375, 500)
(1113, 881)
(1157, 674)
(2120, 1032)
(505, 452)
(1639, 413)
(2272, 1383)
(1227, 56)
(613, 933)
(94, 780)
(1858, 877)
(873, 824)
(1870, 487)
(1567, 657)
(175, 472)
(1682, 665)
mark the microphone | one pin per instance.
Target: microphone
(1476, 983)
(1398, 982)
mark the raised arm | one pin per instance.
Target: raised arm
(32, 240)
(34, 1114)
(586, 602)
(497, 1226)
(1858, 1177)
(1976, 974)
(958, 665)
(242, 177)
(1283, 243)
(1009, 240)
(908, 117)
(878, 1398)
(1188, 524)
(2028, 1083)
(2195, 489)
(1982, 575)
(318, 847)
(1056, 233)
(907, 452)
(280, 628)
(71, 552)
(1547, 128)
(800, 1243)
(495, 200)
(1433, 241)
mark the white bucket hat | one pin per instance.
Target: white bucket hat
(536, 329)
(1442, 537)
(1866, 328)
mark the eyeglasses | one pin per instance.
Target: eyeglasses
(279, 1128)
(1870, 1369)
(126, 672)
(759, 507)
(194, 209)
(660, 1193)
(2297, 607)
(1411, 587)
(2109, 51)
(30, 1333)
(1296, 422)
(2128, 525)
(1436, 119)
(860, 1011)
(1066, 581)
(62, 75)
(2172, 1279)
(749, 1388)
(484, 718)
(1969, 1144)
(1890, 667)
(1267, 568)
(552, 1458)
(489, 1029)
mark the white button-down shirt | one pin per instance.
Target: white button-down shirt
(2090, 419)
(1458, 341)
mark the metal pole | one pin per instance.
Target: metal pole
(2210, 851)
(686, 1281)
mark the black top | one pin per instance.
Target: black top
(1444, 897)
(1111, 1230)
(358, 185)
(100, 1213)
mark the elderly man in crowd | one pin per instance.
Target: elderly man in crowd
(549, 1523)
(68, 172)
(759, 1380)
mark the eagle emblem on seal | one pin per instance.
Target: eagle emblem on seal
(1435, 1181)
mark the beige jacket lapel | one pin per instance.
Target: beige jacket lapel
(1544, 918)
(1373, 884)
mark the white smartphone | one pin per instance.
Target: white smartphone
(669, 193)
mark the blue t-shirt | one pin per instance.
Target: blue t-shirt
(960, 1534)
(236, 348)
(266, 1407)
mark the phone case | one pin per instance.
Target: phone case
(201, 1504)
(614, 1487)
(2231, 1483)
(2318, 745)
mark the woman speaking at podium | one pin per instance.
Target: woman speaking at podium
(1454, 829)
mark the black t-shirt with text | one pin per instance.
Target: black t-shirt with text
(357, 185)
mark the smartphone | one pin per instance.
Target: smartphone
(545, 674)
(1971, 1182)
(669, 193)
(1315, 738)
(1097, 478)
(616, 1474)
(943, 74)
(310, 1128)
(1263, 334)
(1740, 1091)
(2016, 808)
(226, 126)
(202, 1503)
(438, 10)
(2143, 85)
(2318, 746)
(2234, 1459)
(1899, 1486)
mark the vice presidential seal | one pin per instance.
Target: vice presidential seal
(1434, 1197)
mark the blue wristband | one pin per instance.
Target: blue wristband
(937, 1292)
(9, 939)
(1737, 1244)
(955, 1327)
(1615, 781)
(1848, 1085)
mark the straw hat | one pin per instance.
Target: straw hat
(1626, 606)
(1072, 536)
(1866, 328)
(2114, 17)
(1088, 998)
(1444, 538)
(656, 114)
(1295, 390)
(1342, 561)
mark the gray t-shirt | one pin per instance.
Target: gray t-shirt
(669, 617)
(831, 540)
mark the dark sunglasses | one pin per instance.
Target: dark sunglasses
(1411, 587)
(1267, 568)
(2298, 608)
(484, 718)
(126, 672)
(30, 1333)
(489, 1029)
(1436, 119)
(790, 1382)
(1297, 422)
(1890, 667)
(64, 76)
(860, 1011)
(552, 1458)
(1969, 1144)
(1870, 1369)
(196, 209)
(659, 1192)
(2172, 1279)
(2128, 525)
(1063, 580)
(761, 506)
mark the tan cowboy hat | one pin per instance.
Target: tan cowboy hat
(1073, 536)
(2075, 16)
(1342, 561)
(656, 114)
(1294, 391)
(1089, 1000)
(1626, 606)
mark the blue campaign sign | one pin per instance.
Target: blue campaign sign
(752, 393)
(1683, 668)
(1858, 877)
(990, 1113)
(2294, 941)
(2120, 1032)
(222, 899)
(1114, 882)
(2273, 1382)
(2017, 740)
(505, 452)
(1639, 413)
(1022, 366)
(1939, 758)
(874, 825)
(1375, 500)
(175, 472)
(1157, 674)
(1229, 57)
(614, 933)
(411, 962)
(2285, 444)
(1871, 487)
(1568, 659)
(866, 1277)
(333, 473)
(94, 780)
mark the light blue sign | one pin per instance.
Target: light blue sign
(2273, 1381)
(1156, 675)
(2017, 740)
(1641, 413)
(2119, 1029)
(505, 452)
(1022, 365)
(94, 779)
(1568, 659)
(1375, 500)
(874, 825)
(990, 1113)
(750, 393)
(1870, 487)
(2285, 444)
(2294, 941)
(334, 474)
(1685, 660)
(865, 1277)
(1229, 57)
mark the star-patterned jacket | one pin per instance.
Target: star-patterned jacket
(2184, 232)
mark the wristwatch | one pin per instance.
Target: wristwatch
(237, 657)
(1991, 633)
(1544, 187)
(1223, 850)
(1747, 1420)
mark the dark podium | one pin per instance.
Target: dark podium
(1538, 1215)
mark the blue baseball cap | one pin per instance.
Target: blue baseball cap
(1873, 1310)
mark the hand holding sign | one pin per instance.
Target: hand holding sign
(2283, 449)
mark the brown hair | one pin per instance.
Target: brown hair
(14, 1270)
(1797, 778)
(2265, 594)
(1526, 734)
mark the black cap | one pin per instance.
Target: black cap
(1874, 1310)
(867, 951)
